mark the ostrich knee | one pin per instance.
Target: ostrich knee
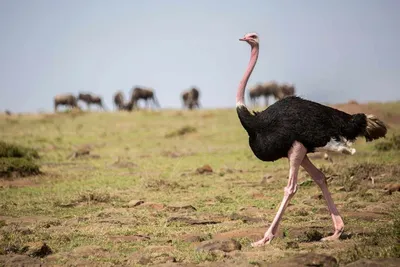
(290, 190)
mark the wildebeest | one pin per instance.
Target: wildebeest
(286, 89)
(91, 99)
(271, 88)
(266, 90)
(147, 95)
(190, 98)
(65, 100)
(119, 101)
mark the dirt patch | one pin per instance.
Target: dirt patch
(12, 260)
(308, 259)
(222, 245)
(390, 262)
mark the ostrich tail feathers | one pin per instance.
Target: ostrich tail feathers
(246, 118)
(375, 128)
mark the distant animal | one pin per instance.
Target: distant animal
(284, 90)
(147, 95)
(118, 100)
(190, 98)
(90, 99)
(8, 113)
(68, 100)
(293, 127)
(265, 90)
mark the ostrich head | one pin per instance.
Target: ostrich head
(250, 38)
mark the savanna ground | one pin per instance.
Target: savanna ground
(127, 189)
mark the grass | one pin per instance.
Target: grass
(17, 161)
(79, 205)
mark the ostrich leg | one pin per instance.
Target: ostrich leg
(319, 178)
(296, 155)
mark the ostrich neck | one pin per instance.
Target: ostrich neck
(246, 76)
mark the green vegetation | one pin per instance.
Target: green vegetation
(393, 143)
(17, 161)
(137, 197)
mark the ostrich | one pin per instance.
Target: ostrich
(293, 127)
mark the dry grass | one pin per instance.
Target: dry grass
(141, 200)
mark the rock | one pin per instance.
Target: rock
(388, 262)
(205, 169)
(222, 245)
(308, 259)
(390, 188)
(37, 249)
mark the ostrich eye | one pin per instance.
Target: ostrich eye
(253, 36)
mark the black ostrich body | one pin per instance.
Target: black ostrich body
(273, 131)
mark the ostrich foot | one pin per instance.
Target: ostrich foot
(333, 237)
(265, 240)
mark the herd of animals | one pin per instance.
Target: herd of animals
(190, 98)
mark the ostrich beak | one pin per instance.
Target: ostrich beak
(242, 39)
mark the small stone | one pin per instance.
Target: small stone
(205, 169)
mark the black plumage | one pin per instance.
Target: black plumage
(273, 131)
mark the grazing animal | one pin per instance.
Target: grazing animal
(91, 99)
(190, 98)
(118, 100)
(142, 93)
(266, 90)
(285, 89)
(65, 100)
(292, 128)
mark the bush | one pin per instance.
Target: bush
(18, 167)
(16, 151)
(17, 161)
(393, 143)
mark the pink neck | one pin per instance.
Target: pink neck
(243, 82)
